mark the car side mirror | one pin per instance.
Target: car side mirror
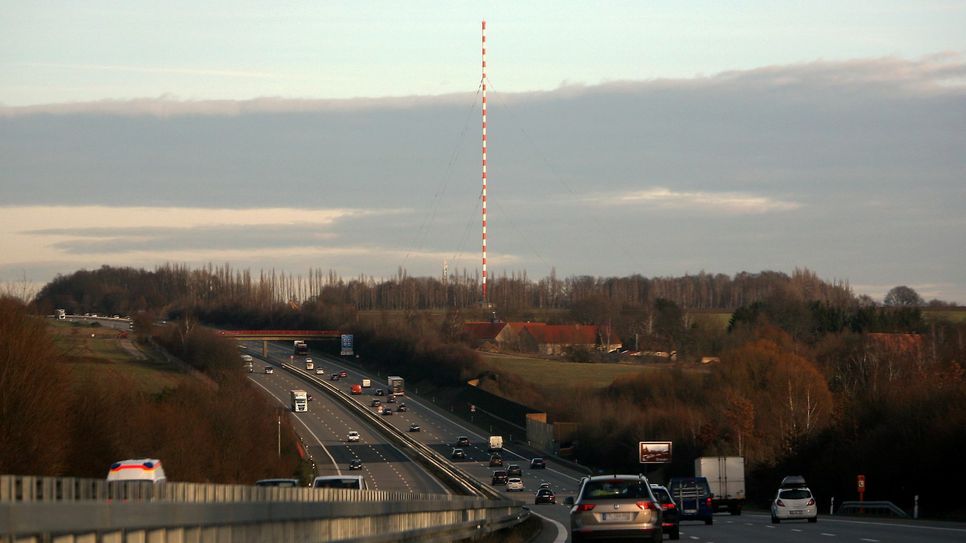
(569, 500)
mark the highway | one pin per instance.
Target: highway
(440, 430)
(324, 428)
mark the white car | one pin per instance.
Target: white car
(319, 371)
(269, 369)
(794, 503)
(514, 483)
(353, 436)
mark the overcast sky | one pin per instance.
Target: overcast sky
(643, 137)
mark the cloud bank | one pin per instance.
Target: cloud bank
(854, 169)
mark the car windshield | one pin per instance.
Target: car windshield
(615, 489)
(795, 494)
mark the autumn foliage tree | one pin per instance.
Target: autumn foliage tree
(34, 399)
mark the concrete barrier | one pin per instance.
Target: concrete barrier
(42, 509)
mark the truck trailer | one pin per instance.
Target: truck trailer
(726, 477)
(300, 401)
(396, 385)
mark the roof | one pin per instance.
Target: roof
(566, 334)
(483, 331)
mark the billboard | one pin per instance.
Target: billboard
(655, 452)
(346, 345)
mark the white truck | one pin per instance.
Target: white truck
(300, 401)
(726, 477)
(496, 444)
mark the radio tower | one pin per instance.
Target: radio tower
(484, 163)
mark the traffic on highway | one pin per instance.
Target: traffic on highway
(327, 425)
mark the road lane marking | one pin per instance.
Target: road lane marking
(826, 534)
(869, 540)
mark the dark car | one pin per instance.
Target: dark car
(692, 496)
(544, 495)
(496, 460)
(390, 399)
(670, 519)
(379, 392)
(355, 463)
(499, 478)
(334, 377)
(514, 470)
(414, 427)
(387, 410)
(458, 454)
(375, 403)
(402, 408)
(462, 441)
(538, 463)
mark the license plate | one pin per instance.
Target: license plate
(795, 512)
(616, 517)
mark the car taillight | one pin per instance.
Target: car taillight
(708, 502)
(585, 507)
(811, 501)
(779, 503)
(645, 505)
(666, 506)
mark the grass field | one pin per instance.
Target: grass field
(952, 315)
(108, 353)
(558, 374)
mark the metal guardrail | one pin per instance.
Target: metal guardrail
(853, 507)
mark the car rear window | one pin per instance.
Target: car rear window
(795, 494)
(616, 489)
(661, 495)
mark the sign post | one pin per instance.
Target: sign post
(860, 486)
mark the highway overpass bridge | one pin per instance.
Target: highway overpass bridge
(279, 335)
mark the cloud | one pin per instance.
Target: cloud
(933, 73)
(853, 169)
(713, 202)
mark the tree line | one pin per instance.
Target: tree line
(114, 290)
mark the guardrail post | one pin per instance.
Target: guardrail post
(915, 507)
(831, 507)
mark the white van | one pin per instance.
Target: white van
(147, 470)
(353, 482)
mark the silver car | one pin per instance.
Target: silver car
(615, 507)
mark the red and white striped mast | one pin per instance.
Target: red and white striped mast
(484, 163)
